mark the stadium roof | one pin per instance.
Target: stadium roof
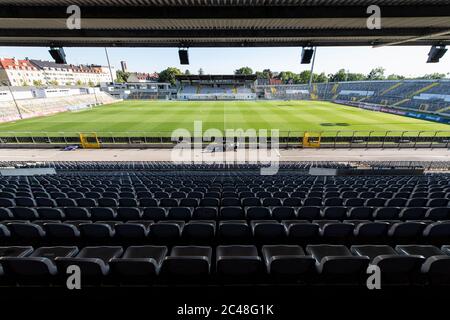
(213, 23)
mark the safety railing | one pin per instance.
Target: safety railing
(324, 139)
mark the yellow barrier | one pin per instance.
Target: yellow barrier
(311, 141)
(89, 140)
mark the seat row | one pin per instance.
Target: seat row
(175, 193)
(143, 264)
(268, 231)
(225, 202)
(217, 201)
(225, 213)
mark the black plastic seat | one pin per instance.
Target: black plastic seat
(310, 202)
(139, 264)
(257, 213)
(238, 260)
(128, 213)
(22, 213)
(302, 230)
(336, 230)
(86, 202)
(309, 213)
(360, 213)
(199, 230)
(230, 202)
(205, 213)
(26, 231)
(50, 213)
(209, 202)
(189, 202)
(25, 202)
(438, 232)
(251, 202)
(98, 230)
(413, 213)
(386, 213)
(154, 213)
(285, 260)
(166, 230)
(227, 213)
(168, 202)
(438, 213)
(98, 213)
(75, 213)
(406, 231)
(45, 202)
(436, 266)
(179, 213)
(39, 266)
(375, 231)
(188, 261)
(131, 230)
(57, 230)
(437, 202)
(395, 268)
(283, 213)
(6, 214)
(93, 262)
(337, 260)
(271, 202)
(148, 202)
(234, 230)
(376, 202)
(339, 213)
(292, 202)
(333, 202)
(268, 230)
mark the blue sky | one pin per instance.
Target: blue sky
(409, 61)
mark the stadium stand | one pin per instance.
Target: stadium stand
(45, 106)
(216, 87)
(151, 223)
(429, 96)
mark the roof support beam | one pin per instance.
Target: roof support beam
(415, 39)
(223, 12)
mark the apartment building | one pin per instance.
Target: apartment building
(37, 72)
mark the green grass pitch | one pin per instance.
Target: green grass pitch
(160, 118)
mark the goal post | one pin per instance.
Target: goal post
(89, 140)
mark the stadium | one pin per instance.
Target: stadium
(251, 194)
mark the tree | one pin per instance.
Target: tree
(121, 76)
(341, 75)
(169, 74)
(201, 72)
(244, 71)
(79, 83)
(68, 83)
(90, 83)
(24, 84)
(265, 74)
(319, 78)
(288, 77)
(395, 77)
(376, 74)
(355, 76)
(187, 72)
(37, 83)
(53, 83)
(433, 76)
